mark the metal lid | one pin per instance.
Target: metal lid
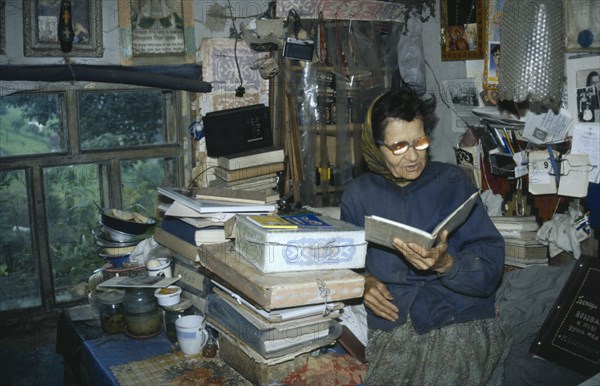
(183, 305)
(111, 296)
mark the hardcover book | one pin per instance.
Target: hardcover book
(188, 198)
(236, 196)
(250, 172)
(289, 221)
(191, 234)
(254, 157)
(382, 231)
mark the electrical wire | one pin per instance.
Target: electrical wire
(239, 92)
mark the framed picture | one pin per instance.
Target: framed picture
(492, 51)
(583, 85)
(581, 25)
(40, 28)
(463, 31)
(156, 28)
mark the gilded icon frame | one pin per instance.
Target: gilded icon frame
(461, 39)
(40, 38)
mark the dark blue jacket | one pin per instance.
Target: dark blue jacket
(466, 291)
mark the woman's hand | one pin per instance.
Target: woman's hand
(435, 259)
(378, 299)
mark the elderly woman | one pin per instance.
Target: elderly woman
(430, 312)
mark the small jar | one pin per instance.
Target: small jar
(112, 312)
(210, 348)
(174, 312)
(142, 313)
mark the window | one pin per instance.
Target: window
(62, 153)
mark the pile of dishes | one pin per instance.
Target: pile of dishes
(118, 233)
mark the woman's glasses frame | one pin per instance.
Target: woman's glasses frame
(401, 147)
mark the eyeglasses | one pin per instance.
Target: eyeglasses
(402, 147)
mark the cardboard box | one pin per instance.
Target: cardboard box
(279, 290)
(342, 246)
(258, 373)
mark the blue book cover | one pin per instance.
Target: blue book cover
(306, 221)
(182, 229)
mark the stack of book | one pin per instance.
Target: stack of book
(198, 216)
(281, 285)
(521, 247)
(193, 217)
(254, 170)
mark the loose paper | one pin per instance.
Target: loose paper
(586, 137)
(541, 180)
(574, 173)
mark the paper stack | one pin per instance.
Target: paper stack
(521, 247)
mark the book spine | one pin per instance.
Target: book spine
(180, 229)
(242, 174)
(174, 243)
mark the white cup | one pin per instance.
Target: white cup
(191, 334)
(160, 266)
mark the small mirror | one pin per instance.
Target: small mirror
(462, 29)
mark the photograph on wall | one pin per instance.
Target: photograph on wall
(462, 95)
(588, 99)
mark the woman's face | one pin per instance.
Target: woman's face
(409, 165)
(595, 82)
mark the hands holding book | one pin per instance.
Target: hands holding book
(434, 259)
(378, 298)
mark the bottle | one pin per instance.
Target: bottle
(142, 313)
(174, 312)
(112, 312)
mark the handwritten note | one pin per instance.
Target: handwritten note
(586, 137)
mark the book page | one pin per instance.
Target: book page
(458, 217)
(382, 231)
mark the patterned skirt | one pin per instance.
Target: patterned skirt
(470, 353)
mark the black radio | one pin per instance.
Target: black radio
(235, 130)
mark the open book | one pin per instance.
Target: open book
(382, 231)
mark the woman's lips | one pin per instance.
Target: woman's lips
(411, 168)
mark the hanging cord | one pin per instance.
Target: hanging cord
(68, 63)
(324, 292)
(240, 90)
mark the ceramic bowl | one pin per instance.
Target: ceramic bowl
(168, 296)
(125, 222)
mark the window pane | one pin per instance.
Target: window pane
(140, 179)
(18, 275)
(71, 214)
(30, 124)
(121, 119)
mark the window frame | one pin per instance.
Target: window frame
(108, 161)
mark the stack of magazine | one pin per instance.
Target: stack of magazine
(521, 247)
